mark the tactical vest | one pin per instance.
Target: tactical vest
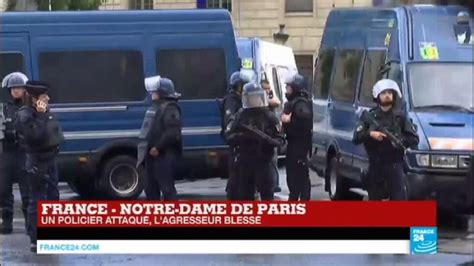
(383, 151)
(150, 127)
(251, 146)
(230, 96)
(10, 112)
(53, 136)
(290, 128)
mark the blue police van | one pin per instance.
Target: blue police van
(96, 63)
(428, 50)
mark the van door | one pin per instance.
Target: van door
(279, 87)
(14, 56)
(285, 73)
(320, 90)
(374, 59)
(341, 106)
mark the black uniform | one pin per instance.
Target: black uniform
(161, 129)
(41, 135)
(253, 153)
(12, 167)
(386, 178)
(231, 104)
(299, 136)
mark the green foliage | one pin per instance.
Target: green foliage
(68, 4)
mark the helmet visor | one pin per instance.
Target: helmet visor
(254, 100)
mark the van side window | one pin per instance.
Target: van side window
(373, 61)
(276, 83)
(346, 75)
(284, 74)
(322, 75)
(93, 76)
(196, 73)
(9, 62)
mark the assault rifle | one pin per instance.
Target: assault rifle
(368, 118)
(262, 135)
(3, 121)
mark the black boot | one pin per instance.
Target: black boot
(33, 247)
(6, 228)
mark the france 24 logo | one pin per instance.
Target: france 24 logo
(423, 240)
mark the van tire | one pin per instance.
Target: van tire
(120, 179)
(338, 188)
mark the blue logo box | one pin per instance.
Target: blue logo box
(423, 240)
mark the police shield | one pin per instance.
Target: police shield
(142, 148)
(2, 127)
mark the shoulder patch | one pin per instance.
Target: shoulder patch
(359, 128)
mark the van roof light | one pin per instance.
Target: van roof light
(463, 17)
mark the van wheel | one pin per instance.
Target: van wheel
(86, 190)
(120, 179)
(338, 187)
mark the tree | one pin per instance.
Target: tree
(11, 4)
(21, 5)
(43, 5)
(68, 4)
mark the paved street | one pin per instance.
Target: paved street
(455, 245)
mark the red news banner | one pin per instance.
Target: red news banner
(231, 214)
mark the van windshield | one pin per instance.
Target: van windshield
(442, 86)
(244, 48)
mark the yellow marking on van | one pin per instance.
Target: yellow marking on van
(429, 51)
(387, 39)
(247, 63)
(391, 23)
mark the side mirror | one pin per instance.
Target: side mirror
(388, 66)
(239, 62)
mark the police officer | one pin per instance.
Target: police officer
(255, 133)
(385, 178)
(273, 104)
(297, 119)
(12, 160)
(41, 134)
(160, 139)
(231, 104)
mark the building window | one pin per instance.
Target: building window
(93, 76)
(298, 6)
(346, 75)
(196, 73)
(226, 4)
(141, 4)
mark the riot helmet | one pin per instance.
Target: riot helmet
(384, 85)
(163, 86)
(253, 96)
(297, 84)
(239, 78)
(14, 80)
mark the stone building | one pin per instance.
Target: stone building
(303, 19)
